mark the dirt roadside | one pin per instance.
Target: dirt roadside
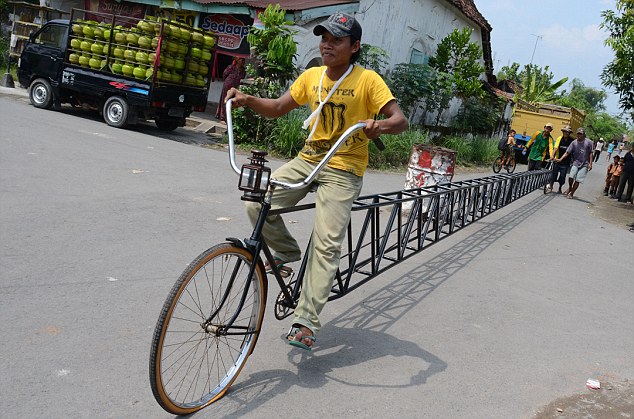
(612, 211)
(615, 399)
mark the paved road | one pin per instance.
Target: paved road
(96, 224)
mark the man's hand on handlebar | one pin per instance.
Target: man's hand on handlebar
(372, 128)
(239, 98)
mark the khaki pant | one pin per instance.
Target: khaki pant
(333, 201)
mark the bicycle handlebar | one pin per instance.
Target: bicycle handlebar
(316, 170)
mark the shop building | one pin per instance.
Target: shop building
(409, 30)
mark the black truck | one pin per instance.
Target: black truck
(127, 69)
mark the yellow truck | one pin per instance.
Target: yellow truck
(528, 119)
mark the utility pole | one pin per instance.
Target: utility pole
(537, 38)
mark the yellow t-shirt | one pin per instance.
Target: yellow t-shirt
(360, 96)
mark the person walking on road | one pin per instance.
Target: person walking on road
(232, 75)
(537, 146)
(598, 148)
(627, 177)
(559, 149)
(581, 152)
(611, 147)
(340, 95)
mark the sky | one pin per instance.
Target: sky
(561, 34)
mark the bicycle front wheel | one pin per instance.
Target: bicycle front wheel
(510, 167)
(196, 355)
(497, 165)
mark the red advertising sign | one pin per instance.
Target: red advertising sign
(232, 31)
(123, 8)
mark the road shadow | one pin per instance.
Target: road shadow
(361, 335)
(183, 135)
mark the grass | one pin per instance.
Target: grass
(398, 149)
(287, 138)
(3, 71)
(472, 152)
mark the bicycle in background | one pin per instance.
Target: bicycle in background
(498, 163)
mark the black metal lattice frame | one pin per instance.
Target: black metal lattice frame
(398, 225)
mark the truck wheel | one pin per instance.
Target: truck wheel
(41, 94)
(167, 123)
(115, 112)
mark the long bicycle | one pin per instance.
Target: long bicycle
(211, 319)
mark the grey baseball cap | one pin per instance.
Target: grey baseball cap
(340, 25)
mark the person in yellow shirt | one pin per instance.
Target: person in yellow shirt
(340, 95)
(557, 149)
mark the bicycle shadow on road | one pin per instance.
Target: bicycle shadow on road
(380, 310)
(360, 335)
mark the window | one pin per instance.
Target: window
(52, 36)
(418, 57)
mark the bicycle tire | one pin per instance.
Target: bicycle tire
(510, 168)
(497, 165)
(188, 355)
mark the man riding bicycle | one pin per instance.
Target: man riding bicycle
(510, 143)
(339, 94)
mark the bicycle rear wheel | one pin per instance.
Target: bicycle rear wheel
(194, 358)
(497, 165)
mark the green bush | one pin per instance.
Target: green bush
(476, 151)
(397, 150)
(4, 52)
(287, 135)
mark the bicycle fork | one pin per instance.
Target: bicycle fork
(255, 245)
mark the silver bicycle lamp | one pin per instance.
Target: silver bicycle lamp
(254, 177)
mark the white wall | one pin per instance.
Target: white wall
(397, 26)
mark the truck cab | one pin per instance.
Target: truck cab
(43, 58)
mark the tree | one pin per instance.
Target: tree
(536, 82)
(479, 115)
(409, 84)
(582, 97)
(460, 58)
(457, 71)
(275, 50)
(274, 45)
(618, 73)
(374, 58)
(510, 73)
(604, 125)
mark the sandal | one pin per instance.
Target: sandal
(279, 263)
(298, 343)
